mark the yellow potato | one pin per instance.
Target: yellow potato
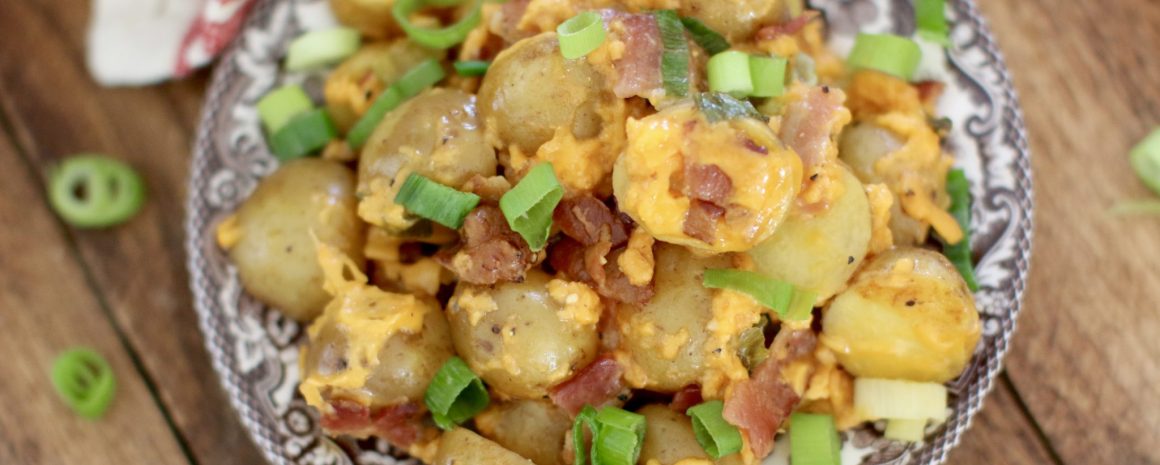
(664, 340)
(736, 19)
(907, 315)
(275, 254)
(352, 87)
(371, 17)
(514, 336)
(670, 439)
(532, 428)
(460, 446)
(820, 252)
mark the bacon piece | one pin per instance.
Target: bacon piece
(639, 68)
(490, 251)
(701, 221)
(787, 28)
(583, 264)
(806, 127)
(401, 425)
(597, 384)
(348, 416)
(708, 183)
(687, 397)
(929, 91)
(760, 404)
(587, 219)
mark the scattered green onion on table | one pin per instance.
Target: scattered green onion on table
(95, 191)
(85, 381)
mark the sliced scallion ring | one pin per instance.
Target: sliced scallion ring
(85, 381)
(528, 206)
(675, 57)
(767, 75)
(717, 437)
(931, 20)
(706, 37)
(303, 135)
(455, 395)
(729, 73)
(281, 105)
(436, 202)
(581, 34)
(94, 191)
(1145, 159)
(959, 253)
(586, 417)
(316, 49)
(471, 68)
(887, 53)
(813, 440)
(442, 38)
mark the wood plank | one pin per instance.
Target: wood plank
(1084, 358)
(57, 110)
(46, 306)
(1001, 434)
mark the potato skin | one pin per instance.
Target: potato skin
(521, 347)
(820, 252)
(461, 446)
(371, 17)
(907, 315)
(532, 428)
(681, 303)
(861, 146)
(526, 116)
(275, 254)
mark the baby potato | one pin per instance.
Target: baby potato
(274, 253)
(713, 186)
(664, 340)
(461, 446)
(820, 251)
(371, 17)
(737, 20)
(516, 335)
(534, 429)
(406, 362)
(353, 86)
(907, 315)
(669, 439)
(520, 114)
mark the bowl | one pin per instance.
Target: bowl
(255, 349)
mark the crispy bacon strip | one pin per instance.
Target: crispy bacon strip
(490, 251)
(708, 183)
(583, 264)
(759, 405)
(787, 28)
(806, 127)
(401, 425)
(597, 384)
(701, 221)
(587, 219)
(639, 68)
(687, 397)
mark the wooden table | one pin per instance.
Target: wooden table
(1082, 384)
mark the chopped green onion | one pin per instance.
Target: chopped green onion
(422, 76)
(675, 58)
(716, 436)
(877, 399)
(442, 38)
(455, 395)
(94, 191)
(1145, 159)
(303, 135)
(1138, 207)
(802, 306)
(528, 206)
(428, 199)
(721, 107)
(85, 381)
(905, 429)
(586, 417)
(281, 105)
(729, 73)
(316, 49)
(767, 75)
(751, 344)
(813, 440)
(931, 18)
(471, 68)
(618, 438)
(705, 36)
(581, 34)
(890, 54)
(959, 253)
(769, 292)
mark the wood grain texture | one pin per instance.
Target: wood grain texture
(56, 110)
(1085, 355)
(1001, 434)
(46, 307)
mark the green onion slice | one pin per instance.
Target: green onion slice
(528, 206)
(436, 202)
(729, 73)
(716, 436)
(675, 58)
(890, 54)
(581, 34)
(586, 417)
(908, 430)
(767, 76)
(751, 344)
(303, 135)
(316, 49)
(422, 76)
(801, 307)
(931, 18)
(959, 253)
(1145, 159)
(721, 107)
(94, 191)
(455, 395)
(85, 381)
(471, 68)
(442, 38)
(705, 36)
(617, 436)
(769, 292)
(813, 440)
(281, 105)
(877, 398)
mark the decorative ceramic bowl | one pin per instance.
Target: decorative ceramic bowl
(255, 349)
